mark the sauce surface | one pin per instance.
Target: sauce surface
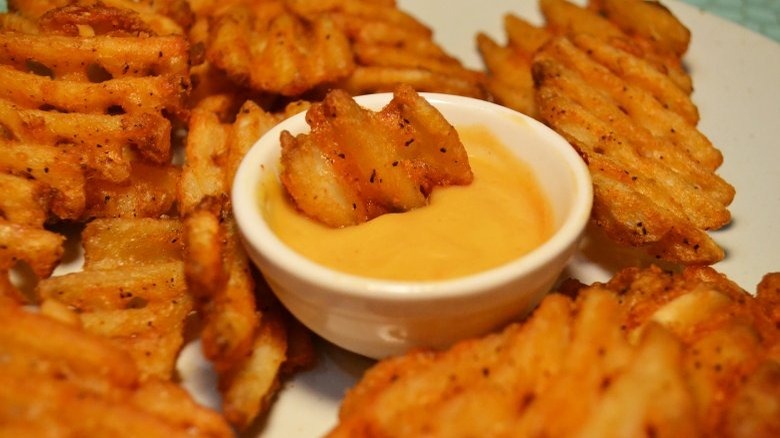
(501, 215)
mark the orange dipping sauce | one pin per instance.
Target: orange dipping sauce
(464, 230)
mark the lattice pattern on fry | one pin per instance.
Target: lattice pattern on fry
(245, 334)
(131, 290)
(86, 108)
(60, 380)
(627, 110)
(653, 172)
(644, 29)
(357, 164)
(391, 48)
(163, 17)
(270, 49)
(649, 352)
(299, 48)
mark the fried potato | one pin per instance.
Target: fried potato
(54, 373)
(565, 18)
(17, 23)
(768, 294)
(105, 144)
(24, 201)
(297, 55)
(636, 70)
(250, 124)
(202, 181)
(363, 12)
(205, 243)
(124, 95)
(242, 335)
(110, 243)
(98, 58)
(126, 72)
(401, 58)
(509, 79)
(653, 171)
(231, 315)
(249, 387)
(129, 287)
(39, 248)
(89, 116)
(358, 164)
(153, 334)
(57, 169)
(648, 20)
(65, 347)
(87, 122)
(645, 352)
(86, 117)
(162, 17)
(141, 309)
(391, 47)
(10, 295)
(377, 79)
(128, 291)
(150, 191)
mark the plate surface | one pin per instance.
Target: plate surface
(735, 75)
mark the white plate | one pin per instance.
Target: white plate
(736, 75)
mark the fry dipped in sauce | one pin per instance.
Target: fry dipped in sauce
(358, 164)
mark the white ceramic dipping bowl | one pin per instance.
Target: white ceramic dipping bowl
(379, 318)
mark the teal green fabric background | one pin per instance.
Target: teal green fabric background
(763, 16)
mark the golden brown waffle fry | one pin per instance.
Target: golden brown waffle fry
(39, 248)
(138, 301)
(565, 18)
(357, 164)
(278, 51)
(648, 20)
(508, 65)
(306, 47)
(653, 171)
(105, 144)
(60, 380)
(244, 334)
(166, 17)
(649, 352)
(509, 80)
(24, 201)
(391, 48)
(101, 101)
(149, 191)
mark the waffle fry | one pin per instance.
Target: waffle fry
(509, 65)
(167, 17)
(653, 172)
(61, 380)
(86, 119)
(357, 45)
(296, 55)
(244, 333)
(647, 352)
(629, 99)
(126, 295)
(509, 80)
(370, 163)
